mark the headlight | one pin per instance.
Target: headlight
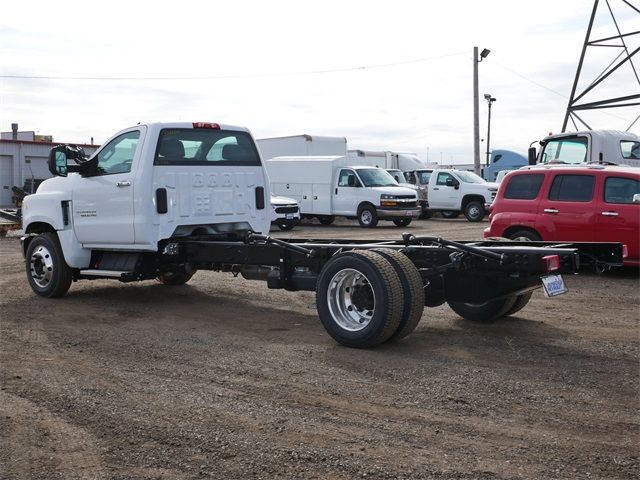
(386, 196)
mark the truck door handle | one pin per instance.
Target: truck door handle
(315, 197)
(304, 197)
(610, 214)
(551, 210)
(336, 191)
(124, 183)
(436, 188)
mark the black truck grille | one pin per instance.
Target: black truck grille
(293, 209)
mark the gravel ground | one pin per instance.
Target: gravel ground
(223, 378)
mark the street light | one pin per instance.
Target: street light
(489, 100)
(476, 108)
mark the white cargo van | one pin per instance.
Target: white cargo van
(325, 187)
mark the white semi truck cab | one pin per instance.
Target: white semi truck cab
(164, 200)
(588, 146)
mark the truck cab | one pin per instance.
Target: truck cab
(589, 146)
(149, 183)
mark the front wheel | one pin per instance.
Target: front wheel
(450, 214)
(285, 225)
(483, 312)
(474, 211)
(47, 271)
(402, 222)
(367, 216)
(178, 275)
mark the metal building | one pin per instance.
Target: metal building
(23, 161)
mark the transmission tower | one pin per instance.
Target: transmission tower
(623, 60)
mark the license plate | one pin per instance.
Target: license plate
(289, 216)
(553, 285)
(410, 213)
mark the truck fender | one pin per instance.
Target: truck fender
(74, 254)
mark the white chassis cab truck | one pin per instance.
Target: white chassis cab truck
(161, 201)
(453, 191)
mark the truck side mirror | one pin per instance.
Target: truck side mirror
(452, 182)
(57, 161)
(533, 156)
(636, 198)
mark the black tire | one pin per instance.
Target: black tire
(484, 312)
(525, 236)
(474, 211)
(327, 219)
(520, 303)
(285, 225)
(426, 215)
(413, 291)
(176, 276)
(367, 216)
(402, 222)
(363, 311)
(47, 271)
(450, 214)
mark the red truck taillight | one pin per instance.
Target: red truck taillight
(215, 126)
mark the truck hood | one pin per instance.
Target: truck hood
(394, 190)
(277, 200)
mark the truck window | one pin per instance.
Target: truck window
(423, 177)
(566, 150)
(376, 177)
(205, 147)
(630, 149)
(620, 190)
(524, 187)
(442, 178)
(343, 180)
(117, 155)
(572, 188)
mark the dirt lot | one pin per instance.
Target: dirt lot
(223, 378)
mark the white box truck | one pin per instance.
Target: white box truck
(326, 187)
(301, 145)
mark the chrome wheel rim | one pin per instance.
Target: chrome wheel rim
(41, 266)
(366, 217)
(521, 239)
(351, 300)
(474, 212)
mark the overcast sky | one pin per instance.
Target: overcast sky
(386, 75)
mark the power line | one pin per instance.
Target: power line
(233, 76)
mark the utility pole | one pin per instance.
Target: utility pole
(489, 100)
(476, 108)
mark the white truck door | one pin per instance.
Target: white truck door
(344, 194)
(440, 195)
(103, 203)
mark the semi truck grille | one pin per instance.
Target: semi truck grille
(292, 209)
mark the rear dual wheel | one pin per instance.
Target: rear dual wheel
(487, 311)
(364, 297)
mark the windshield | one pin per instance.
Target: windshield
(397, 175)
(566, 150)
(469, 177)
(376, 177)
(423, 176)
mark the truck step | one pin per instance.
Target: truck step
(103, 273)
